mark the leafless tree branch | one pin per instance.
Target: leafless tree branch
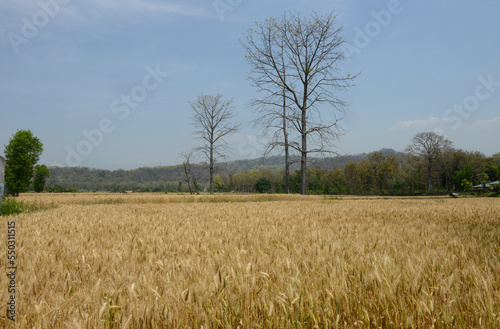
(213, 118)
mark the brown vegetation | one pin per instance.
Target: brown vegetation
(257, 261)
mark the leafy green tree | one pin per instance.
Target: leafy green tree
(352, 177)
(388, 172)
(496, 159)
(483, 180)
(337, 182)
(466, 185)
(496, 189)
(462, 178)
(220, 183)
(41, 174)
(262, 185)
(239, 181)
(21, 154)
(275, 178)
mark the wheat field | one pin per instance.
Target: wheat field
(255, 261)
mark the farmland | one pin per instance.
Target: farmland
(255, 261)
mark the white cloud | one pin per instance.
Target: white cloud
(419, 123)
(485, 124)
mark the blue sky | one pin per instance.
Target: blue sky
(67, 67)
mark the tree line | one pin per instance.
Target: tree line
(376, 173)
(430, 164)
(455, 170)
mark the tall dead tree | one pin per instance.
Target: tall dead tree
(212, 116)
(272, 108)
(190, 178)
(298, 59)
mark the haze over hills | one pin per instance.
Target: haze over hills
(278, 162)
(168, 177)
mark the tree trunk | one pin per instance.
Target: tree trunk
(429, 176)
(287, 159)
(187, 172)
(303, 161)
(212, 190)
(287, 166)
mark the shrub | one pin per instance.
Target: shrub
(262, 185)
(9, 206)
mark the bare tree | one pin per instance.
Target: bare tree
(190, 178)
(272, 108)
(297, 59)
(430, 147)
(212, 116)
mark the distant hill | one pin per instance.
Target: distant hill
(168, 177)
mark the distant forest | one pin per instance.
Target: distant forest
(382, 172)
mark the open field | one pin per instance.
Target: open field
(255, 261)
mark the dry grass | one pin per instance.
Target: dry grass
(249, 261)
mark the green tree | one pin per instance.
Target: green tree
(41, 174)
(466, 185)
(220, 186)
(221, 183)
(483, 180)
(496, 159)
(352, 177)
(262, 185)
(464, 175)
(21, 154)
(337, 181)
(493, 172)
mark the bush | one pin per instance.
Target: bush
(9, 206)
(262, 185)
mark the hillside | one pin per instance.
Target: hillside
(168, 177)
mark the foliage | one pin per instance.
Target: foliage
(262, 185)
(60, 189)
(378, 173)
(493, 172)
(41, 174)
(220, 186)
(21, 154)
(11, 206)
(495, 191)
(462, 178)
(465, 184)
